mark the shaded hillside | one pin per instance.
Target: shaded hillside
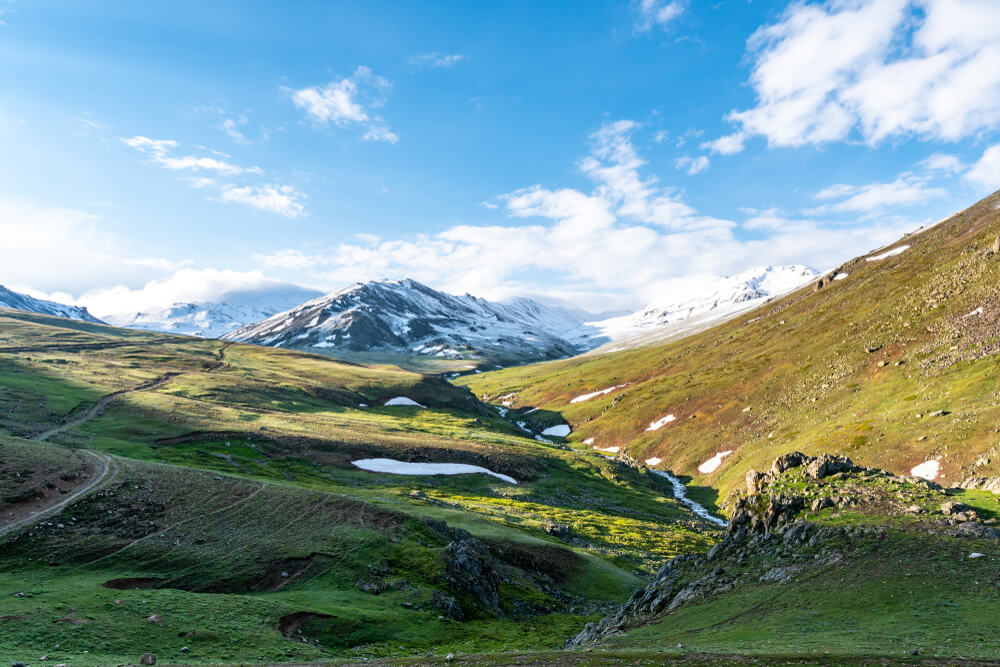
(211, 487)
(890, 358)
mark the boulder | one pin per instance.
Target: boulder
(147, 659)
(953, 507)
(826, 465)
(787, 462)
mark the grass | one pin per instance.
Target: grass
(236, 468)
(844, 369)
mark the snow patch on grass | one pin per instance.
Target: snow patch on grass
(926, 470)
(394, 467)
(713, 463)
(660, 423)
(602, 392)
(403, 400)
(654, 461)
(888, 253)
(559, 431)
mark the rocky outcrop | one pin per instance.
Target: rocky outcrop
(768, 543)
(470, 570)
(991, 484)
(787, 551)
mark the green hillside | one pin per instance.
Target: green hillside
(162, 493)
(892, 363)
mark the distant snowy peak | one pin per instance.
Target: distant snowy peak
(212, 319)
(720, 298)
(10, 299)
(404, 316)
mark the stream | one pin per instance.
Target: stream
(680, 493)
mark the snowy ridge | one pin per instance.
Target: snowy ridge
(716, 300)
(406, 316)
(11, 299)
(212, 319)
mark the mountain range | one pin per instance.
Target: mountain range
(211, 319)
(17, 301)
(409, 318)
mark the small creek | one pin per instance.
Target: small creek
(680, 493)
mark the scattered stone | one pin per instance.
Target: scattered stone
(155, 618)
(953, 507)
(147, 659)
(976, 554)
(882, 364)
(450, 657)
(19, 595)
(938, 413)
(185, 649)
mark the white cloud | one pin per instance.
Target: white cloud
(232, 128)
(986, 171)
(349, 102)
(693, 165)
(436, 59)
(942, 162)
(907, 190)
(656, 14)
(273, 198)
(621, 244)
(49, 248)
(875, 68)
(159, 150)
(186, 285)
(729, 144)
(284, 200)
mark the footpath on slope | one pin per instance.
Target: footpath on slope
(105, 466)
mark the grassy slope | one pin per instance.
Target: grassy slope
(847, 368)
(279, 429)
(910, 586)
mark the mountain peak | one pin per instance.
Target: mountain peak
(17, 301)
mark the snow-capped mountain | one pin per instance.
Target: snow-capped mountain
(712, 302)
(212, 319)
(404, 316)
(10, 299)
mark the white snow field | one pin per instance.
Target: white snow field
(660, 423)
(888, 253)
(926, 470)
(602, 392)
(395, 467)
(403, 400)
(559, 431)
(713, 463)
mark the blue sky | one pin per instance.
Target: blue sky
(601, 153)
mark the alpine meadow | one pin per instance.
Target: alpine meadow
(638, 332)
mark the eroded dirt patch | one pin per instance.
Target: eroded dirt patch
(290, 624)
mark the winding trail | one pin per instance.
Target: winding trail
(107, 469)
(102, 403)
(680, 493)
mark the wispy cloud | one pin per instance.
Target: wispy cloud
(281, 199)
(693, 165)
(160, 152)
(284, 200)
(907, 190)
(620, 243)
(655, 14)
(436, 59)
(349, 102)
